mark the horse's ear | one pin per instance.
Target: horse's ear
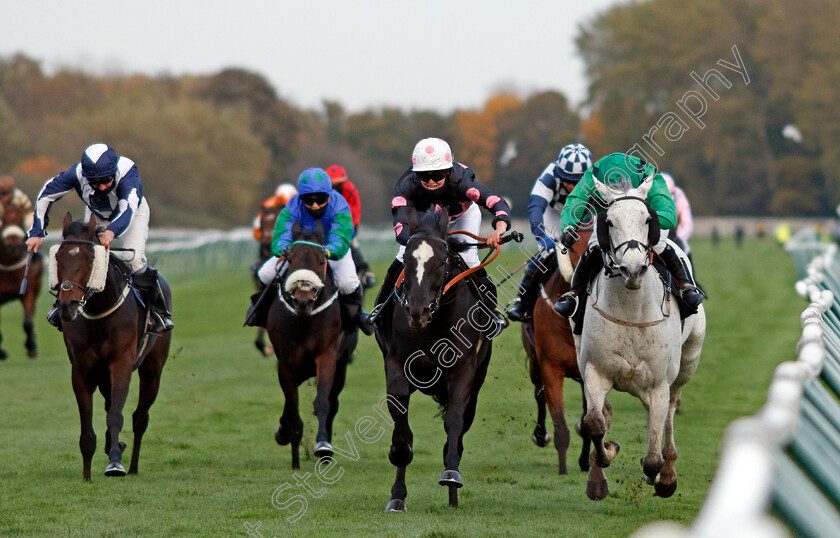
(91, 228)
(443, 222)
(319, 232)
(413, 223)
(68, 220)
(646, 184)
(602, 189)
(295, 230)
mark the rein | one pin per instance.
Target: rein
(86, 293)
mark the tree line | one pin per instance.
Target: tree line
(735, 98)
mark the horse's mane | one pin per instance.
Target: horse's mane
(429, 223)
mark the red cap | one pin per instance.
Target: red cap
(337, 173)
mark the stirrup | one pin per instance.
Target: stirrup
(692, 295)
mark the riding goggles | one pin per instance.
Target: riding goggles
(315, 198)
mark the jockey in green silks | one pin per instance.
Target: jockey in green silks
(584, 200)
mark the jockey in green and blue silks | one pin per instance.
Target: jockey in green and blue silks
(584, 200)
(315, 202)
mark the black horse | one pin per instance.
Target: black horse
(305, 328)
(439, 342)
(104, 324)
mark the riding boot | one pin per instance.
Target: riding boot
(589, 262)
(690, 292)
(257, 314)
(522, 307)
(488, 295)
(385, 291)
(352, 313)
(162, 315)
(54, 318)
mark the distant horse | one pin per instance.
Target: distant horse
(13, 259)
(104, 324)
(268, 218)
(547, 338)
(305, 327)
(438, 342)
(632, 340)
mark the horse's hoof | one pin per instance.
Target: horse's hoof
(451, 478)
(541, 441)
(32, 353)
(323, 449)
(597, 491)
(115, 468)
(395, 505)
(3, 355)
(664, 490)
(281, 437)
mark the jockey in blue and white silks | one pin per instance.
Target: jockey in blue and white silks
(110, 187)
(317, 202)
(548, 196)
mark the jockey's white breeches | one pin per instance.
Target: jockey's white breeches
(551, 223)
(469, 221)
(343, 270)
(134, 237)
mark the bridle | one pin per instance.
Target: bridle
(87, 293)
(288, 299)
(434, 305)
(631, 244)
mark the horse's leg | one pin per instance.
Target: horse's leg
(667, 483)
(540, 437)
(338, 385)
(149, 373)
(325, 366)
(595, 424)
(402, 438)
(83, 388)
(3, 354)
(454, 422)
(586, 446)
(553, 378)
(31, 343)
(120, 372)
(266, 350)
(290, 429)
(657, 407)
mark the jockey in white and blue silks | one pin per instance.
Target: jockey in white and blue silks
(110, 187)
(544, 208)
(316, 202)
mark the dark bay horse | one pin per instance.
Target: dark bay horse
(305, 327)
(13, 259)
(436, 342)
(268, 218)
(550, 346)
(104, 323)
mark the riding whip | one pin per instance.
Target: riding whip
(25, 273)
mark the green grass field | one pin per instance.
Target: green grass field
(210, 465)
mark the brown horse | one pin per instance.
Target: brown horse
(104, 324)
(13, 260)
(548, 341)
(438, 342)
(305, 327)
(268, 218)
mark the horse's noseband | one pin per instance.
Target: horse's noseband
(630, 244)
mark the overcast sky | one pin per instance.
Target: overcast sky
(434, 54)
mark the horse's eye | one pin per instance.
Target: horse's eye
(609, 223)
(647, 221)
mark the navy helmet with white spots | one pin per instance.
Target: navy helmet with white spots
(99, 160)
(572, 162)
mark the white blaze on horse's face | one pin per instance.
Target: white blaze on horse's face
(423, 253)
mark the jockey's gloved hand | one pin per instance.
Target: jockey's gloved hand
(569, 237)
(331, 255)
(545, 242)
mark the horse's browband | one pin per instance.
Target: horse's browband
(638, 199)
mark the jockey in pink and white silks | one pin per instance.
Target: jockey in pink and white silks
(618, 168)
(317, 202)
(685, 222)
(110, 187)
(436, 179)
